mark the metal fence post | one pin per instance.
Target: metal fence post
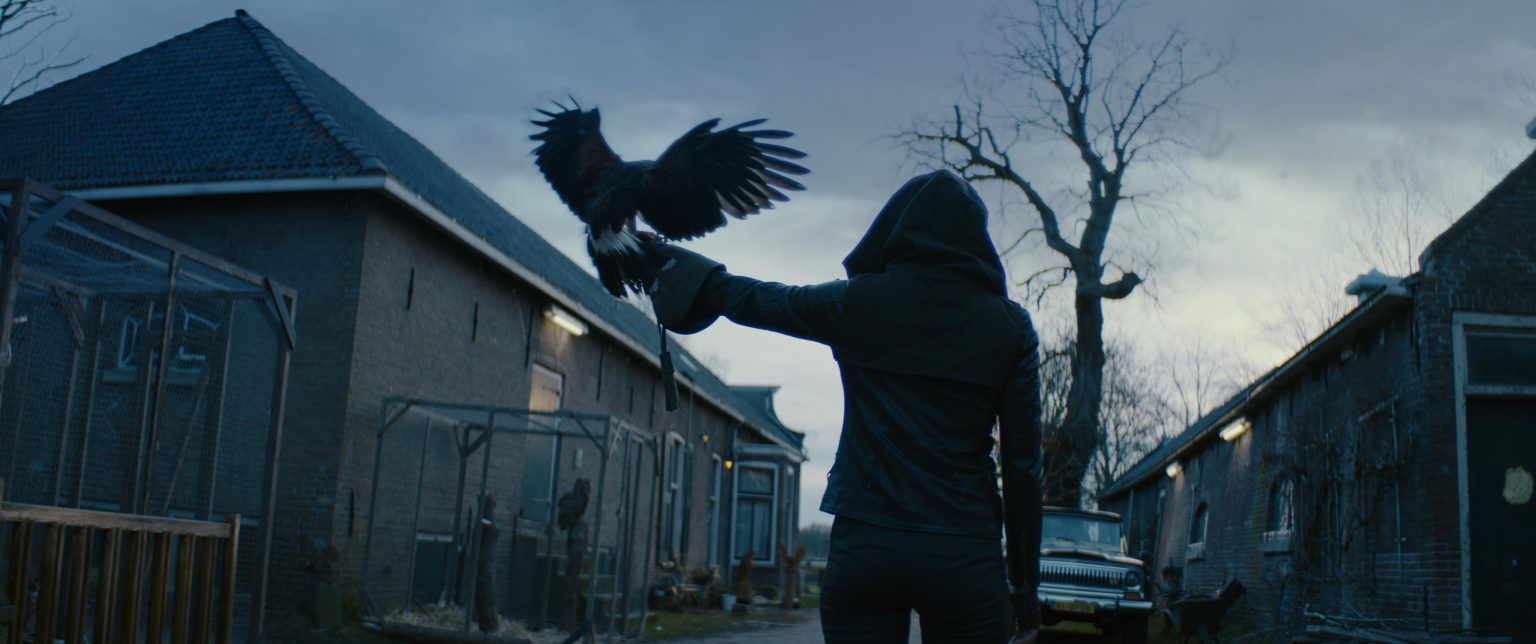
(269, 483)
(10, 270)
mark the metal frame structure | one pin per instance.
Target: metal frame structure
(474, 427)
(47, 211)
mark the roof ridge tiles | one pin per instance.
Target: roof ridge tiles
(269, 43)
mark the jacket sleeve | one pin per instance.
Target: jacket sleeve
(812, 312)
(691, 291)
(1019, 438)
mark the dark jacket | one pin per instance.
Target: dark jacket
(933, 356)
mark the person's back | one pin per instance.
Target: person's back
(933, 356)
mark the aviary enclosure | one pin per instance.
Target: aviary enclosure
(140, 376)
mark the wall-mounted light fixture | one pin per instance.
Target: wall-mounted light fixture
(1174, 469)
(1237, 428)
(565, 320)
(728, 463)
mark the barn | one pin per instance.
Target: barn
(426, 306)
(1381, 476)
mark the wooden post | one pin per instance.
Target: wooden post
(133, 588)
(227, 595)
(158, 580)
(48, 588)
(79, 571)
(106, 586)
(10, 270)
(202, 617)
(21, 557)
(182, 608)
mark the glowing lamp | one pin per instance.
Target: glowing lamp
(728, 463)
(1174, 469)
(565, 320)
(1232, 432)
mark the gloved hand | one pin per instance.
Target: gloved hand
(1026, 617)
(679, 274)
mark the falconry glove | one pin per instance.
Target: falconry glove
(680, 273)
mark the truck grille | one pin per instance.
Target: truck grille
(1080, 575)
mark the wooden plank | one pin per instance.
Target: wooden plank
(106, 586)
(183, 606)
(133, 588)
(48, 587)
(227, 594)
(21, 558)
(110, 520)
(203, 616)
(79, 572)
(158, 580)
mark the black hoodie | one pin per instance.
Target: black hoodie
(932, 354)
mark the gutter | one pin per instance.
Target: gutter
(415, 202)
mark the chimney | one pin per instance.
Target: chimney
(1364, 286)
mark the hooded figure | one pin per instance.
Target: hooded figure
(933, 356)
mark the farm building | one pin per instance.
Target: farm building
(1381, 476)
(426, 308)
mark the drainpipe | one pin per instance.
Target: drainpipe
(1397, 485)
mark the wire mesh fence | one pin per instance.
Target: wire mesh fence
(533, 518)
(137, 374)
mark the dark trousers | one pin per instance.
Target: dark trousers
(876, 577)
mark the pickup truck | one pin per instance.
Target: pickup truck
(1085, 575)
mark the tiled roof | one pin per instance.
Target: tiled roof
(1154, 460)
(1370, 312)
(229, 102)
(761, 396)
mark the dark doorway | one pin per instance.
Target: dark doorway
(1501, 459)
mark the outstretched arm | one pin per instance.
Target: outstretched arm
(1019, 438)
(691, 291)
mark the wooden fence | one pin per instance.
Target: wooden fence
(102, 561)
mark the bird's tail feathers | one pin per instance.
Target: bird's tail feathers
(620, 262)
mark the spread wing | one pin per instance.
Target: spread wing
(705, 174)
(572, 153)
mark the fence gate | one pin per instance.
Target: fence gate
(77, 575)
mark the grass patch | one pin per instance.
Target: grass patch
(663, 625)
(808, 600)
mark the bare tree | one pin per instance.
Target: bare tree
(1135, 412)
(24, 25)
(1400, 204)
(1200, 375)
(1134, 417)
(1066, 72)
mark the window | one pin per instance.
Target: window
(1279, 520)
(672, 543)
(1502, 358)
(538, 489)
(757, 487)
(715, 467)
(1197, 525)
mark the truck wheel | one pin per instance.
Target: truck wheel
(1133, 630)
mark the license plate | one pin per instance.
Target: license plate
(1073, 606)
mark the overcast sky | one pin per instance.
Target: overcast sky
(1316, 91)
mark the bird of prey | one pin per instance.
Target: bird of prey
(685, 193)
(573, 504)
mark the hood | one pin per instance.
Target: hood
(937, 222)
